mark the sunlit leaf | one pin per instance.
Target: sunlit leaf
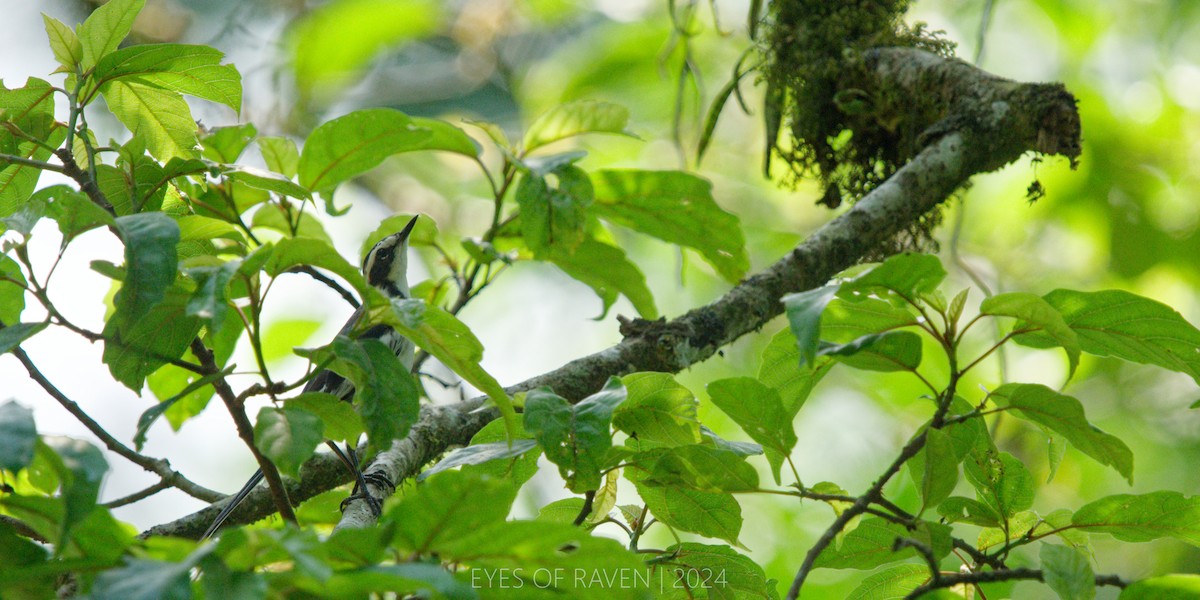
(1166, 587)
(892, 583)
(781, 370)
(186, 69)
(445, 509)
(287, 436)
(576, 118)
(280, 154)
(1141, 518)
(352, 144)
(161, 118)
(1064, 415)
(675, 207)
(65, 45)
(104, 29)
(607, 270)
(720, 570)
(758, 410)
(1034, 312)
(715, 515)
(872, 544)
(657, 409)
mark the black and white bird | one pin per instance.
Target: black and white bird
(386, 269)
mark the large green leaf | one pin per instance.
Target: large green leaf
(81, 467)
(715, 515)
(446, 508)
(287, 436)
(150, 264)
(576, 118)
(888, 351)
(386, 394)
(804, 315)
(355, 143)
(658, 409)
(516, 470)
(939, 474)
(781, 370)
(31, 110)
(160, 118)
(14, 335)
(1064, 415)
(758, 410)
(872, 544)
(1166, 587)
(162, 334)
(1068, 572)
(553, 218)
(847, 320)
(280, 154)
(576, 438)
(18, 436)
(1036, 313)
(907, 275)
(675, 207)
(720, 570)
(447, 339)
(340, 421)
(1000, 480)
(698, 467)
(892, 583)
(1141, 518)
(185, 69)
(293, 252)
(104, 29)
(1127, 326)
(609, 272)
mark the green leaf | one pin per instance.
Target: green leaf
(804, 315)
(1166, 587)
(160, 118)
(280, 154)
(274, 217)
(18, 436)
(1141, 518)
(12, 291)
(871, 544)
(1019, 525)
(318, 253)
(447, 137)
(675, 207)
(705, 513)
(570, 563)
(781, 370)
(481, 453)
(576, 118)
(385, 392)
(150, 265)
(553, 219)
(957, 509)
(395, 580)
(1064, 415)
(181, 68)
(210, 303)
(332, 42)
(889, 351)
(908, 275)
(31, 110)
(847, 320)
(657, 409)
(609, 272)
(150, 415)
(450, 341)
(142, 579)
(1036, 313)
(266, 180)
(104, 29)
(576, 438)
(1001, 481)
(516, 470)
(1068, 572)
(701, 468)
(132, 352)
(721, 570)
(758, 410)
(892, 583)
(63, 42)
(445, 509)
(74, 212)
(14, 335)
(339, 420)
(81, 469)
(288, 437)
(940, 473)
(352, 144)
(1127, 326)
(226, 144)
(561, 511)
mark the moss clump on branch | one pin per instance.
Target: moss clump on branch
(845, 129)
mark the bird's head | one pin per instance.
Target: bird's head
(386, 265)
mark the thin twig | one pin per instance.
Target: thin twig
(143, 494)
(158, 466)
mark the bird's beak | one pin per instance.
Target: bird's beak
(408, 228)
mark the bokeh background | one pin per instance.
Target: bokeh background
(1126, 218)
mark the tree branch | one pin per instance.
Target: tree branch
(1009, 120)
(976, 577)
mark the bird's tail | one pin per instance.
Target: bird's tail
(233, 503)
